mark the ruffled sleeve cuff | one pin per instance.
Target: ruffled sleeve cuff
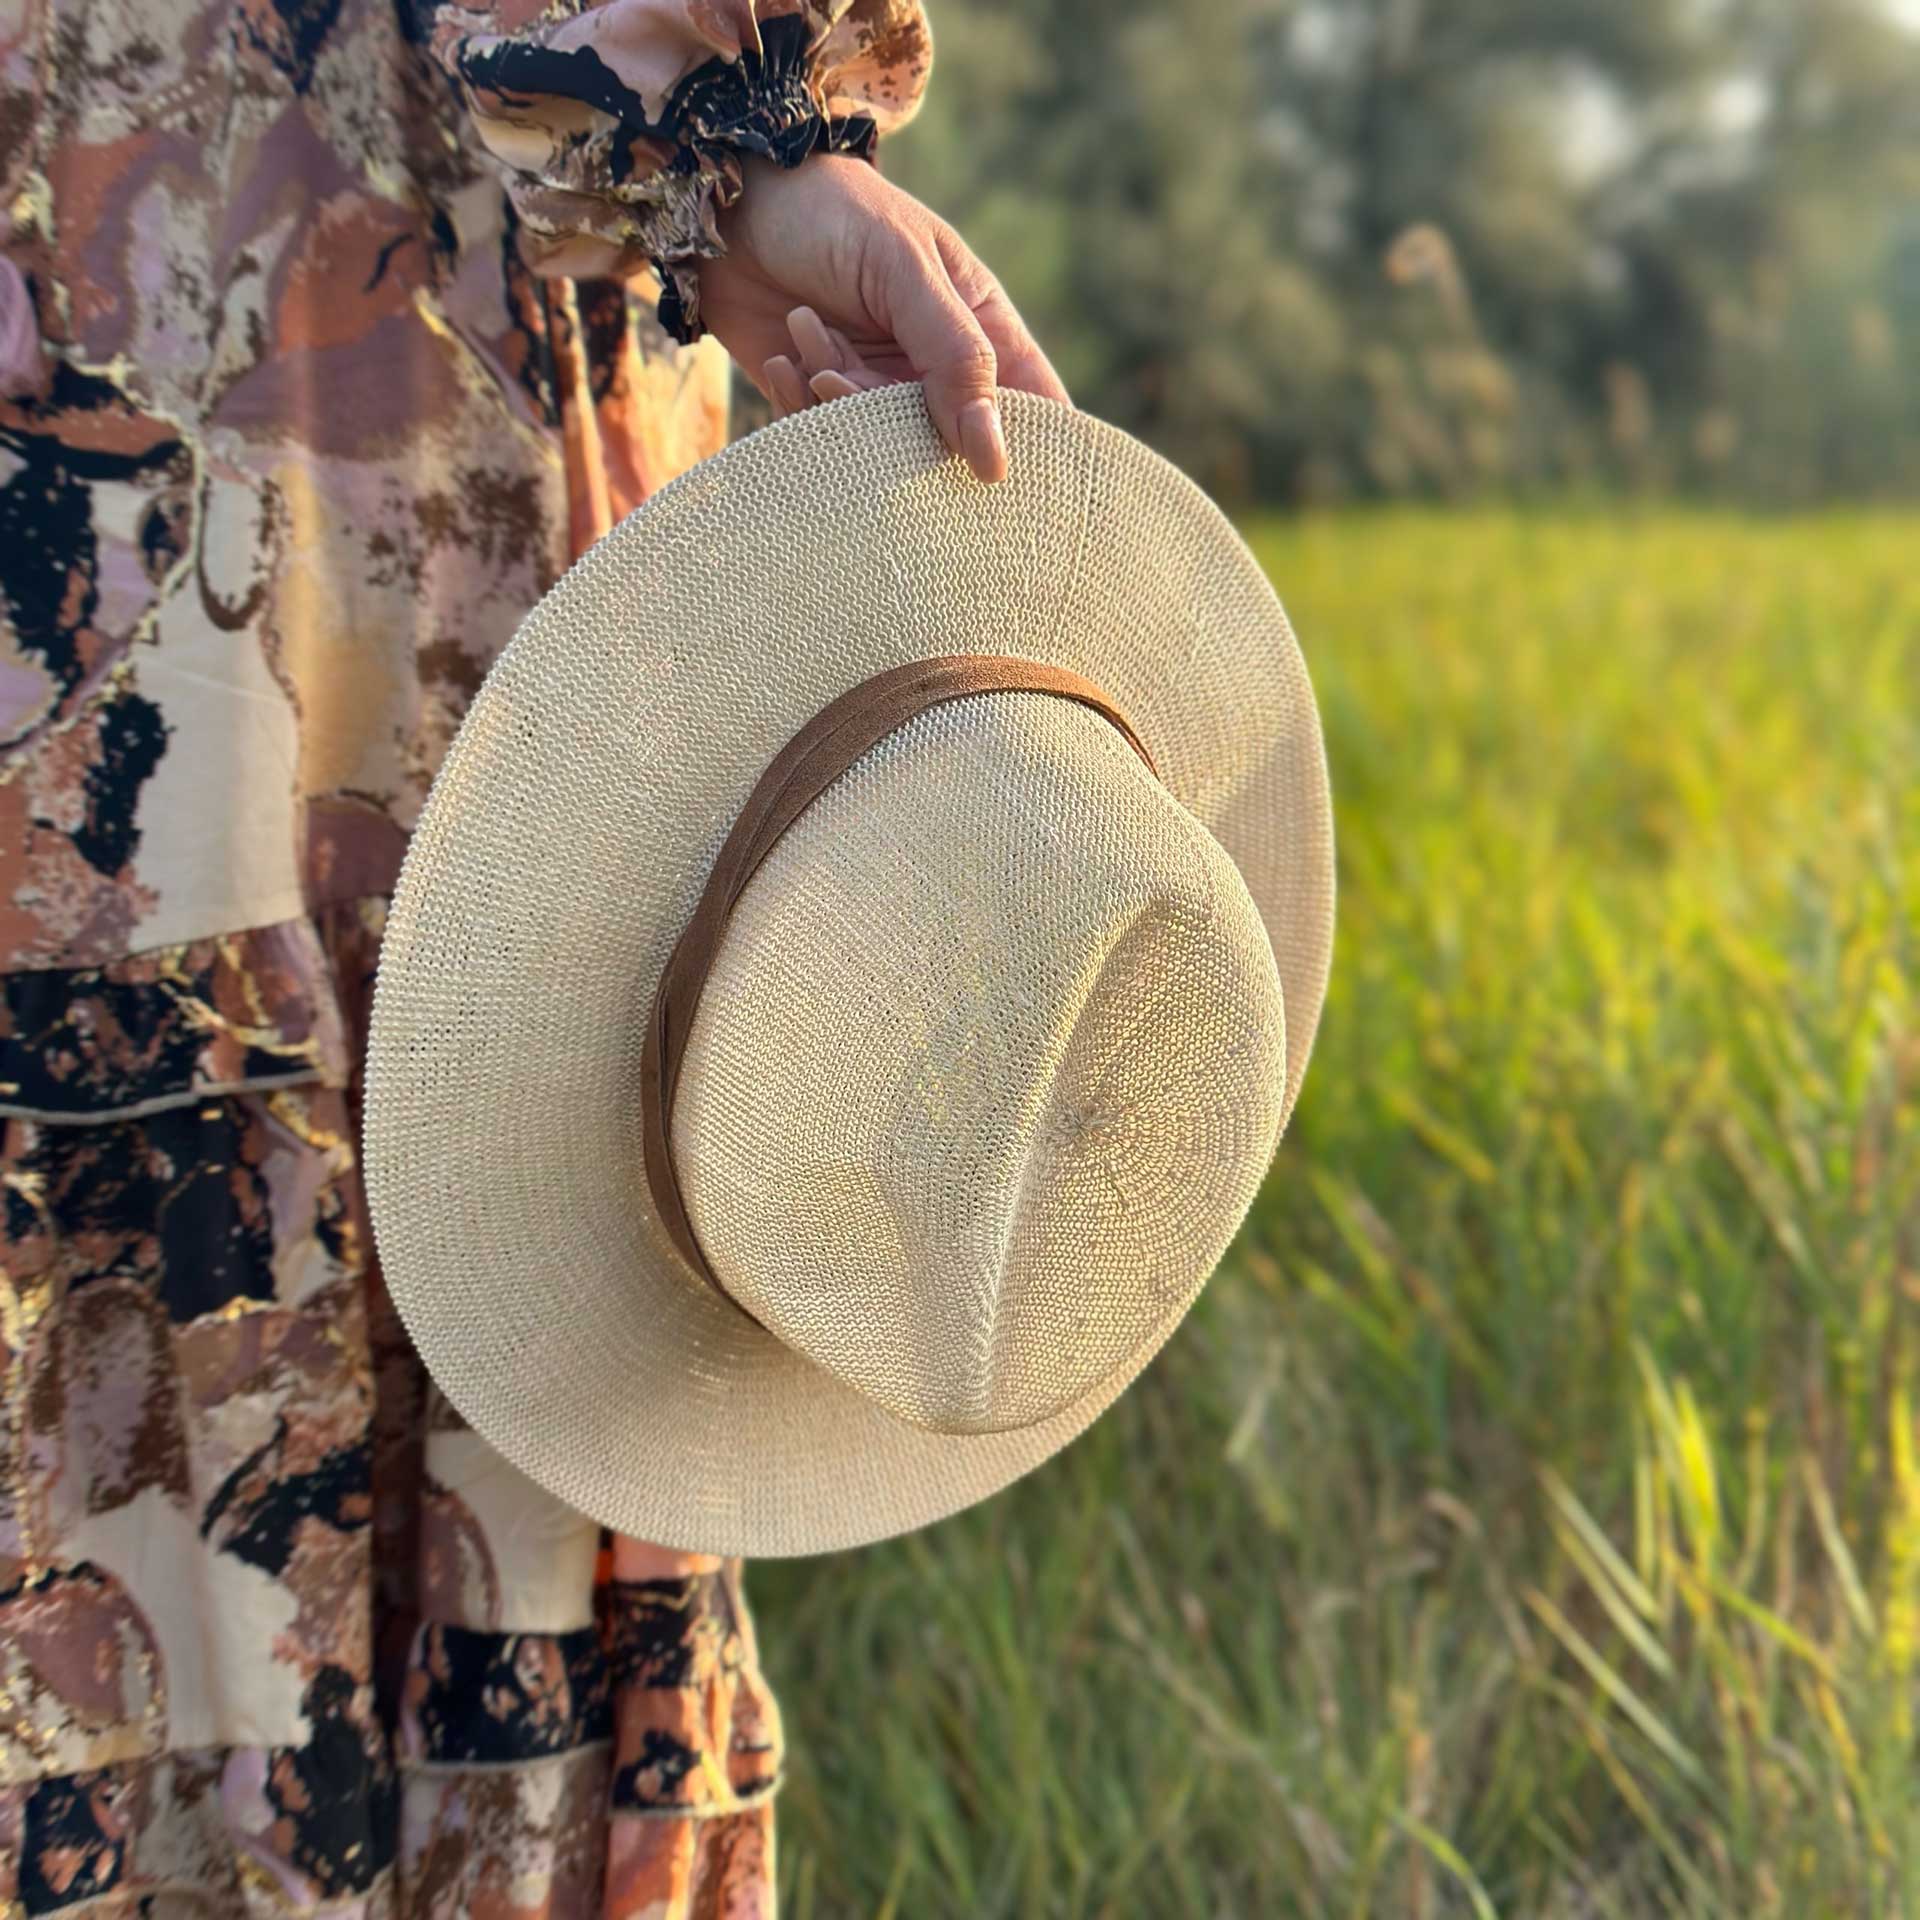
(620, 128)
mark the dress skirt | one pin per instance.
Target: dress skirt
(244, 1506)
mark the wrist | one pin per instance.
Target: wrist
(762, 184)
(758, 176)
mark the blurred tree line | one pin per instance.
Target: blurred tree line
(1319, 248)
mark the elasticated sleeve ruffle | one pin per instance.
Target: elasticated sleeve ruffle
(620, 127)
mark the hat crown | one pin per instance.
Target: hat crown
(987, 1070)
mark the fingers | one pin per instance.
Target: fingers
(953, 344)
(824, 365)
(822, 348)
(1021, 364)
(951, 353)
(944, 344)
(784, 386)
(826, 350)
(832, 385)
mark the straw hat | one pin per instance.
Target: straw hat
(967, 1071)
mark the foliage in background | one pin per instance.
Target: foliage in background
(1446, 246)
(1527, 1521)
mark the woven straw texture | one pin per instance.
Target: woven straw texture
(998, 1044)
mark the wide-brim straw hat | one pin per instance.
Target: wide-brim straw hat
(996, 1039)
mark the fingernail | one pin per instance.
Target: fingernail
(832, 386)
(775, 373)
(811, 337)
(982, 441)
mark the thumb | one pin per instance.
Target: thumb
(949, 349)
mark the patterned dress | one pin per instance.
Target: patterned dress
(328, 336)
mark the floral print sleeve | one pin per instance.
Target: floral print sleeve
(620, 128)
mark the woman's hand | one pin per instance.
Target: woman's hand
(834, 280)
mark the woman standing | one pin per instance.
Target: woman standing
(330, 331)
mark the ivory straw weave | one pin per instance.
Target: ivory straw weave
(1000, 1039)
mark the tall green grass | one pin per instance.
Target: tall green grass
(1527, 1522)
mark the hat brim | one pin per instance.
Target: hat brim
(564, 845)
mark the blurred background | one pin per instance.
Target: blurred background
(1329, 249)
(1527, 1521)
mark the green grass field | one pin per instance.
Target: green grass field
(1527, 1522)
